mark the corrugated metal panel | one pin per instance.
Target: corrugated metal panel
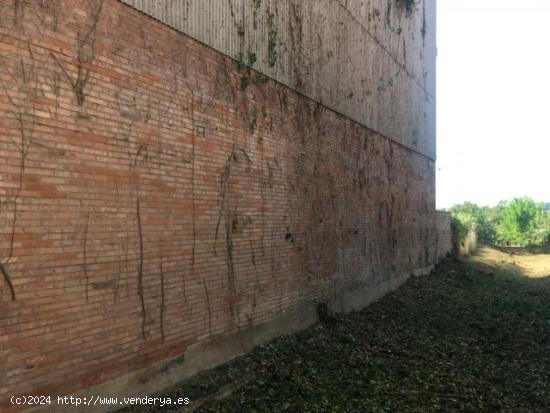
(366, 59)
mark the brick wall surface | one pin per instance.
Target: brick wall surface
(154, 195)
(444, 234)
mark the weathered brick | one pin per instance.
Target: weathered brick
(245, 204)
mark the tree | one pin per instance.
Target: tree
(464, 219)
(520, 222)
(489, 220)
(524, 223)
(470, 217)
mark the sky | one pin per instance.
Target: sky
(493, 101)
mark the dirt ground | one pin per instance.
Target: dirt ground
(473, 336)
(530, 265)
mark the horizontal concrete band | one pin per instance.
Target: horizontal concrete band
(219, 350)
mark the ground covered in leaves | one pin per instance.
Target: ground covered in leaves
(469, 337)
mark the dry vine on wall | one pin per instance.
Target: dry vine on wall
(85, 55)
(21, 88)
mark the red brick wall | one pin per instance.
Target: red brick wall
(148, 203)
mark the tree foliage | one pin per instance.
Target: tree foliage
(520, 222)
(524, 223)
(465, 218)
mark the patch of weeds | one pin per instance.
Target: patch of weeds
(251, 59)
(253, 120)
(408, 5)
(245, 82)
(261, 78)
(247, 77)
(246, 67)
(271, 40)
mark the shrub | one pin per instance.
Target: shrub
(520, 222)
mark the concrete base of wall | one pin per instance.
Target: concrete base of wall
(165, 374)
(468, 246)
(357, 297)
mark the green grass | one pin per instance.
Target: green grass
(460, 339)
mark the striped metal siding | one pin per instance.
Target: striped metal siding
(366, 59)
